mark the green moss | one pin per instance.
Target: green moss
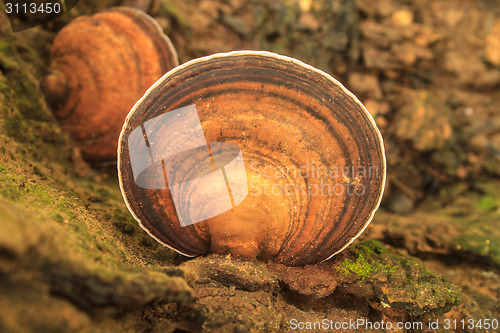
(171, 10)
(367, 261)
(17, 187)
(488, 203)
(24, 116)
(475, 216)
(399, 281)
(5, 47)
(22, 90)
(372, 247)
(360, 267)
(455, 297)
(480, 246)
(6, 56)
(57, 217)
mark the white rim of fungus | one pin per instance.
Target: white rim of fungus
(158, 27)
(174, 71)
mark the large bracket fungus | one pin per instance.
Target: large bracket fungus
(253, 154)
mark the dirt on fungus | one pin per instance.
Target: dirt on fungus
(73, 259)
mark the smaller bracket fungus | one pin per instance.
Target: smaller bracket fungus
(252, 154)
(99, 66)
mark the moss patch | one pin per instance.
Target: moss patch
(488, 203)
(479, 246)
(475, 215)
(365, 263)
(397, 281)
(29, 126)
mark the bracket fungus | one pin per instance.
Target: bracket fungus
(99, 66)
(252, 154)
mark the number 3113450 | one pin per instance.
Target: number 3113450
(33, 8)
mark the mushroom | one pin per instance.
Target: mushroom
(99, 66)
(251, 154)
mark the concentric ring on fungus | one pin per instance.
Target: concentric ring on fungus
(99, 66)
(253, 154)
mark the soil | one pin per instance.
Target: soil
(72, 258)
